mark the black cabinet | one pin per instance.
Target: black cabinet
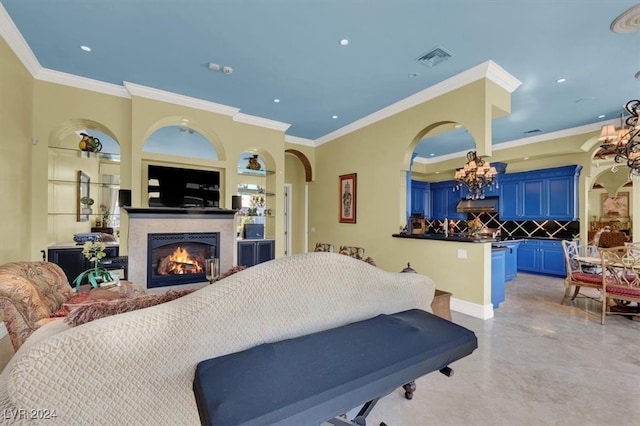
(73, 262)
(252, 252)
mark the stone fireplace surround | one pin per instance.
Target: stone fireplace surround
(154, 220)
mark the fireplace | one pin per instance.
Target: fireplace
(179, 258)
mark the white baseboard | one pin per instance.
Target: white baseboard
(3, 330)
(483, 312)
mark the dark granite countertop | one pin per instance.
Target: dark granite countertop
(460, 238)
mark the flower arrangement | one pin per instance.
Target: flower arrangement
(475, 226)
(104, 210)
(93, 251)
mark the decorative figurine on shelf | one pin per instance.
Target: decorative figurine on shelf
(93, 251)
(253, 162)
(89, 143)
(104, 211)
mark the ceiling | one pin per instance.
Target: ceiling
(290, 50)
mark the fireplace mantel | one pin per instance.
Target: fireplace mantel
(151, 220)
(178, 212)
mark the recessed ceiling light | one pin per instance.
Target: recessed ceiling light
(601, 116)
(344, 42)
(432, 154)
(276, 101)
(525, 158)
(334, 116)
(457, 126)
(85, 48)
(561, 80)
(437, 173)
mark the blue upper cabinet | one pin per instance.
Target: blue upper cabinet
(444, 201)
(420, 198)
(547, 194)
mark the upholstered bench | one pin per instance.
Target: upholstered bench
(314, 378)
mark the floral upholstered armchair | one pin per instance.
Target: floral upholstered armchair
(30, 293)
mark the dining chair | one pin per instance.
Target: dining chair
(576, 276)
(620, 281)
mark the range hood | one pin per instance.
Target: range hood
(489, 204)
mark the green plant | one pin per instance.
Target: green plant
(87, 201)
(94, 251)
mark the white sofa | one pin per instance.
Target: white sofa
(138, 367)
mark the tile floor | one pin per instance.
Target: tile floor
(538, 363)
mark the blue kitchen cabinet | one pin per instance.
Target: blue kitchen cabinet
(511, 260)
(547, 194)
(542, 257)
(444, 201)
(420, 198)
(497, 276)
(510, 201)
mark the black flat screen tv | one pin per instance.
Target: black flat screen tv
(177, 187)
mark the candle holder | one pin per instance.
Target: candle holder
(212, 269)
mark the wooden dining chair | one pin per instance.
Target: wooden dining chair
(620, 281)
(576, 276)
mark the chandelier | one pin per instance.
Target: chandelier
(624, 143)
(476, 176)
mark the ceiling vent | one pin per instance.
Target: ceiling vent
(529, 132)
(435, 56)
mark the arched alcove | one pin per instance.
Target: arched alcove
(182, 141)
(75, 175)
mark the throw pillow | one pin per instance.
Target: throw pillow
(232, 271)
(66, 307)
(87, 313)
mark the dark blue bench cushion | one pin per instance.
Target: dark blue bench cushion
(310, 379)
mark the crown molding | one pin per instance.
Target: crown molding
(502, 78)
(299, 141)
(488, 69)
(574, 131)
(18, 44)
(262, 122)
(173, 98)
(78, 82)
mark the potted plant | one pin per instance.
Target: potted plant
(93, 251)
(87, 202)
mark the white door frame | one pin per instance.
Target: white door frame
(288, 193)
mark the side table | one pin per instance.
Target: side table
(440, 304)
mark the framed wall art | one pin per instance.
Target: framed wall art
(347, 202)
(615, 207)
(84, 200)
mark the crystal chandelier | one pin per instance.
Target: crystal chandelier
(476, 176)
(624, 143)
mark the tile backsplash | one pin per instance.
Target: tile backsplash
(515, 229)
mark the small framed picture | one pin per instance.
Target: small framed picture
(347, 201)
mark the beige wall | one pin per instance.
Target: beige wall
(16, 102)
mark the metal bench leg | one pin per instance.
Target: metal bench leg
(409, 389)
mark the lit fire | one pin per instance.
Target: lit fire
(179, 262)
